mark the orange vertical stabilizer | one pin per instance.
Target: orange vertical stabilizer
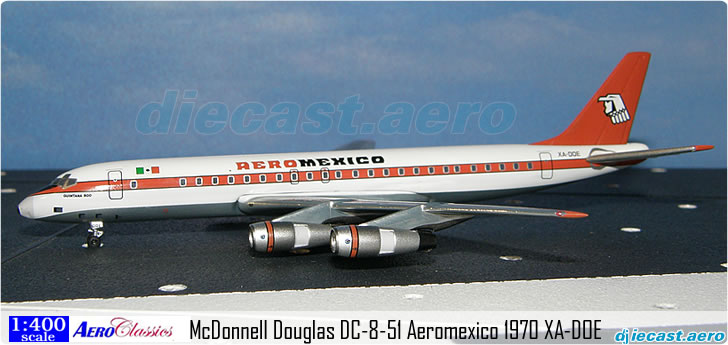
(607, 117)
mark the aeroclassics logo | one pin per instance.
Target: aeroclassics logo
(124, 328)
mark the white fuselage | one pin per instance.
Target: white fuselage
(219, 185)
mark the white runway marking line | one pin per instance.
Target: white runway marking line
(658, 170)
(725, 264)
(630, 229)
(413, 296)
(687, 206)
(511, 258)
(668, 306)
(7, 190)
(173, 288)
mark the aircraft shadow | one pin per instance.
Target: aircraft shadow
(404, 260)
(453, 245)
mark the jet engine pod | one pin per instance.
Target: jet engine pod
(353, 241)
(268, 237)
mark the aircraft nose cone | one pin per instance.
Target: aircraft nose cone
(25, 208)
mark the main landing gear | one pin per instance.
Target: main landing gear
(94, 237)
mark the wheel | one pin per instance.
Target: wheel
(93, 242)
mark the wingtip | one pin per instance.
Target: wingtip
(570, 214)
(703, 147)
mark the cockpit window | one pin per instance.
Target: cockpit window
(64, 182)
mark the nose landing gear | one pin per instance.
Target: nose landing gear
(94, 237)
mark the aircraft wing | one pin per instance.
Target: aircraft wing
(396, 214)
(617, 158)
(387, 224)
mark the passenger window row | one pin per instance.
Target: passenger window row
(324, 175)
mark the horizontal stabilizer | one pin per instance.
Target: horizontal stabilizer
(614, 158)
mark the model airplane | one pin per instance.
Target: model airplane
(362, 203)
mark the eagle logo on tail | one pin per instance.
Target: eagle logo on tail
(614, 108)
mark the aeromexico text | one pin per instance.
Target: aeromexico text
(309, 162)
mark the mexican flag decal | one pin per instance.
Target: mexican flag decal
(142, 170)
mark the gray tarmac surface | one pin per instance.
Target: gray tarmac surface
(45, 261)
